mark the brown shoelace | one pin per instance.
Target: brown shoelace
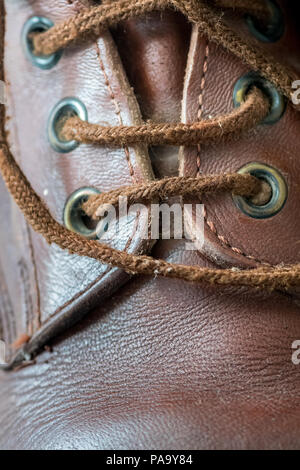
(92, 22)
(242, 119)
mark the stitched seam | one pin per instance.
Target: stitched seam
(210, 225)
(117, 109)
(225, 242)
(200, 102)
(35, 273)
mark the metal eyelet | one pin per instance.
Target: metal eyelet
(279, 191)
(38, 24)
(275, 28)
(277, 100)
(65, 108)
(74, 217)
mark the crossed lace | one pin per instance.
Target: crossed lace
(92, 22)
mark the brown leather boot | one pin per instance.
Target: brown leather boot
(106, 348)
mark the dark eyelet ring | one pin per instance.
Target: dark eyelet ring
(274, 30)
(66, 107)
(38, 24)
(73, 214)
(279, 191)
(277, 100)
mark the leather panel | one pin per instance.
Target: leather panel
(65, 287)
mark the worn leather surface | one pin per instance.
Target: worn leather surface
(54, 288)
(161, 363)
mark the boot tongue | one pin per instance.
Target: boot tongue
(154, 52)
